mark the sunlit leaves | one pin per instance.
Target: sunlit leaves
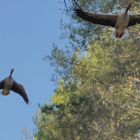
(98, 95)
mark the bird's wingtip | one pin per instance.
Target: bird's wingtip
(78, 11)
(28, 103)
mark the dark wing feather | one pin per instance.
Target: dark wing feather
(2, 84)
(102, 19)
(18, 88)
(133, 20)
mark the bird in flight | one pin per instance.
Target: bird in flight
(10, 84)
(120, 22)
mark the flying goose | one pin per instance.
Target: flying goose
(10, 84)
(120, 22)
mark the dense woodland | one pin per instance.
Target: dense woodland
(98, 95)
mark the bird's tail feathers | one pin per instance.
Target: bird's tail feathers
(125, 35)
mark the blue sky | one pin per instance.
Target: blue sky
(28, 29)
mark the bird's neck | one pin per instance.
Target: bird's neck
(128, 7)
(10, 76)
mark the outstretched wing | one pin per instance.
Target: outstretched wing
(102, 19)
(133, 20)
(18, 88)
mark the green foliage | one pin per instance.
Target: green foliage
(103, 104)
(98, 95)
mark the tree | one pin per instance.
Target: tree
(98, 92)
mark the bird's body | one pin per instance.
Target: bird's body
(119, 22)
(9, 84)
(122, 21)
(121, 26)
